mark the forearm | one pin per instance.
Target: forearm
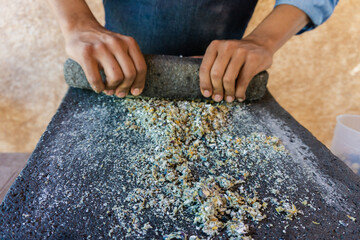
(72, 15)
(278, 27)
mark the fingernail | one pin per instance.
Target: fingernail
(136, 91)
(121, 94)
(229, 99)
(207, 93)
(217, 98)
(241, 99)
(95, 89)
(111, 92)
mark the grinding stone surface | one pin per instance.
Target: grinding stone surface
(71, 183)
(170, 77)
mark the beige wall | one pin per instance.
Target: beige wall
(315, 76)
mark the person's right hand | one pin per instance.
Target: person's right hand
(95, 47)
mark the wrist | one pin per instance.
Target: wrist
(262, 40)
(78, 23)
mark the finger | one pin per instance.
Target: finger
(129, 71)
(229, 80)
(231, 75)
(204, 72)
(140, 66)
(246, 74)
(217, 72)
(113, 72)
(91, 70)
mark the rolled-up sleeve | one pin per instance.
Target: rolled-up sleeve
(317, 10)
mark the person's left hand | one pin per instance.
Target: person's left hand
(229, 65)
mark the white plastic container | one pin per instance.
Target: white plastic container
(346, 141)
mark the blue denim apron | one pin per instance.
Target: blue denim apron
(178, 27)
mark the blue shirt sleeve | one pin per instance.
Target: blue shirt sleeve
(317, 10)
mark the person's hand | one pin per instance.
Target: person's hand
(94, 48)
(228, 67)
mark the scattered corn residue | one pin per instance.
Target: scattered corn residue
(196, 171)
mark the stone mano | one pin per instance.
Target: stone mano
(167, 76)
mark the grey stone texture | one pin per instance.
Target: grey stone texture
(77, 174)
(169, 77)
(11, 165)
